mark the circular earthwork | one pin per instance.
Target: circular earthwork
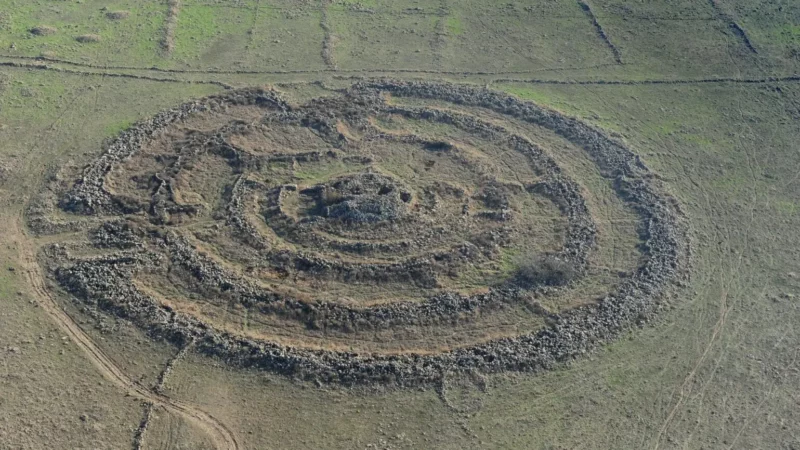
(389, 233)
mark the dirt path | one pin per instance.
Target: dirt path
(222, 437)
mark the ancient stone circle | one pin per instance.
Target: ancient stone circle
(387, 233)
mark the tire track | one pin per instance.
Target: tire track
(541, 81)
(724, 306)
(15, 61)
(221, 436)
(292, 71)
(110, 74)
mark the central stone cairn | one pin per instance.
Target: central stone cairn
(390, 233)
(361, 198)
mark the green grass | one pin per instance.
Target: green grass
(721, 360)
(197, 25)
(370, 41)
(129, 41)
(315, 173)
(509, 260)
(287, 40)
(540, 96)
(788, 34)
(113, 129)
(786, 207)
(29, 97)
(454, 26)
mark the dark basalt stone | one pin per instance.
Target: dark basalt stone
(367, 199)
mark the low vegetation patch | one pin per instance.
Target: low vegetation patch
(118, 15)
(88, 38)
(545, 270)
(43, 30)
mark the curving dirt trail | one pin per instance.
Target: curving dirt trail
(222, 436)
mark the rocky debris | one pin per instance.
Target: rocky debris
(89, 197)
(144, 424)
(206, 274)
(363, 198)
(494, 196)
(545, 270)
(116, 234)
(105, 281)
(418, 271)
(499, 216)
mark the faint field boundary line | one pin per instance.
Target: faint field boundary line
(737, 29)
(252, 31)
(394, 12)
(111, 74)
(328, 40)
(139, 435)
(293, 72)
(438, 41)
(440, 34)
(600, 31)
(164, 375)
(170, 26)
(784, 79)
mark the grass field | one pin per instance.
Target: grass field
(716, 119)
